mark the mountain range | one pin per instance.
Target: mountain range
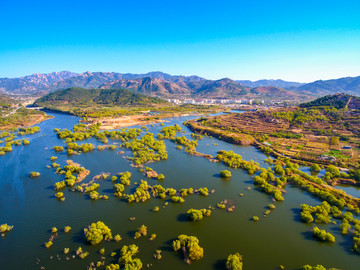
(168, 86)
(33, 84)
(349, 85)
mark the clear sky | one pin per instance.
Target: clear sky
(297, 40)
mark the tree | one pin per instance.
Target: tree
(322, 235)
(315, 168)
(225, 174)
(157, 254)
(142, 231)
(234, 262)
(117, 238)
(190, 247)
(333, 170)
(5, 228)
(355, 174)
(161, 177)
(25, 142)
(34, 174)
(334, 140)
(48, 244)
(127, 261)
(194, 214)
(97, 232)
(317, 267)
(204, 191)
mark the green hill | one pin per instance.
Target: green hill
(80, 97)
(339, 101)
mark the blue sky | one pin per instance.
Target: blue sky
(292, 40)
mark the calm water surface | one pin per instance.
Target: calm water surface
(29, 205)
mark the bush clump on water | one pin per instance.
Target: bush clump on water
(225, 174)
(97, 232)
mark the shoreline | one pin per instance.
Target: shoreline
(33, 122)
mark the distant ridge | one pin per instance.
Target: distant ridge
(275, 83)
(161, 84)
(271, 91)
(169, 86)
(350, 85)
(149, 86)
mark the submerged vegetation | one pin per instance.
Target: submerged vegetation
(5, 228)
(34, 174)
(145, 147)
(323, 213)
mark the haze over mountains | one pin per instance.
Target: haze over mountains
(169, 86)
(275, 83)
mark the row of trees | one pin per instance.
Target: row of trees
(323, 235)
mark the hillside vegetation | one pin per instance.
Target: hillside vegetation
(80, 97)
(338, 101)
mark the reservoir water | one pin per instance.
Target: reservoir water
(29, 204)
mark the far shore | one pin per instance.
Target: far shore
(36, 120)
